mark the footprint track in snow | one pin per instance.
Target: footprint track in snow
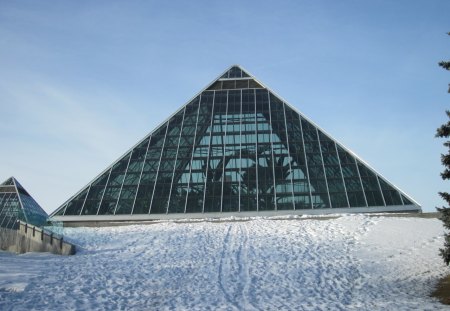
(234, 276)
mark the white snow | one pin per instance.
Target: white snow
(348, 263)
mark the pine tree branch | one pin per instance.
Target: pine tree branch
(446, 197)
(445, 65)
(445, 159)
(444, 129)
(444, 132)
(445, 174)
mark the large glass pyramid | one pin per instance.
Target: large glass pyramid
(235, 148)
(17, 204)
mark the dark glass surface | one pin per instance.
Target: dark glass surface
(235, 147)
(371, 187)
(17, 204)
(319, 193)
(76, 204)
(9, 181)
(406, 201)
(391, 196)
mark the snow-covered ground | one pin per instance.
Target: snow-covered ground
(348, 263)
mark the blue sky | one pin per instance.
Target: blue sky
(83, 81)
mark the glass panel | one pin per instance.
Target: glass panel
(391, 196)
(10, 211)
(126, 200)
(302, 201)
(338, 199)
(192, 177)
(60, 211)
(247, 163)
(371, 187)
(35, 215)
(228, 171)
(97, 189)
(406, 201)
(112, 190)
(254, 84)
(315, 166)
(356, 199)
(242, 84)
(235, 72)
(216, 86)
(333, 173)
(149, 171)
(214, 155)
(166, 167)
(265, 165)
(351, 178)
(320, 200)
(75, 205)
(282, 158)
(8, 182)
(229, 85)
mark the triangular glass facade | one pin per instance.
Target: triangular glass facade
(17, 204)
(236, 147)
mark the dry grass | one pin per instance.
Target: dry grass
(442, 291)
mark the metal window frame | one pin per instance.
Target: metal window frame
(323, 167)
(121, 186)
(140, 175)
(271, 148)
(6, 202)
(306, 162)
(224, 150)
(20, 200)
(176, 159)
(342, 173)
(85, 197)
(256, 153)
(381, 190)
(159, 165)
(211, 126)
(104, 190)
(360, 180)
(240, 151)
(290, 156)
(192, 153)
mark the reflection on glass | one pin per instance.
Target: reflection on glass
(236, 147)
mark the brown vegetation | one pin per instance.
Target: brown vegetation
(442, 291)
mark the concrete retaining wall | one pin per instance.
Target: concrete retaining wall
(29, 238)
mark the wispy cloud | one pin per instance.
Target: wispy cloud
(51, 134)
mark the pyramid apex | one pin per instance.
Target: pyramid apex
(235, 72)
(9, 181)
(17, 204)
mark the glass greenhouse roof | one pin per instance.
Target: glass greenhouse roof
(17, 204)
(236, 147)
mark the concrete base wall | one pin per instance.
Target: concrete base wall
(323, 217)
(29, 238)
(101, 220)
(9, 239)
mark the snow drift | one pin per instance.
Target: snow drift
(349, 263)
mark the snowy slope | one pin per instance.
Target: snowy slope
(349, 263)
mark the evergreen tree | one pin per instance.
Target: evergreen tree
(444, 132)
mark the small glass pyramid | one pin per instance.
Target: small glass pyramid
(235, 148)
(17, 204)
